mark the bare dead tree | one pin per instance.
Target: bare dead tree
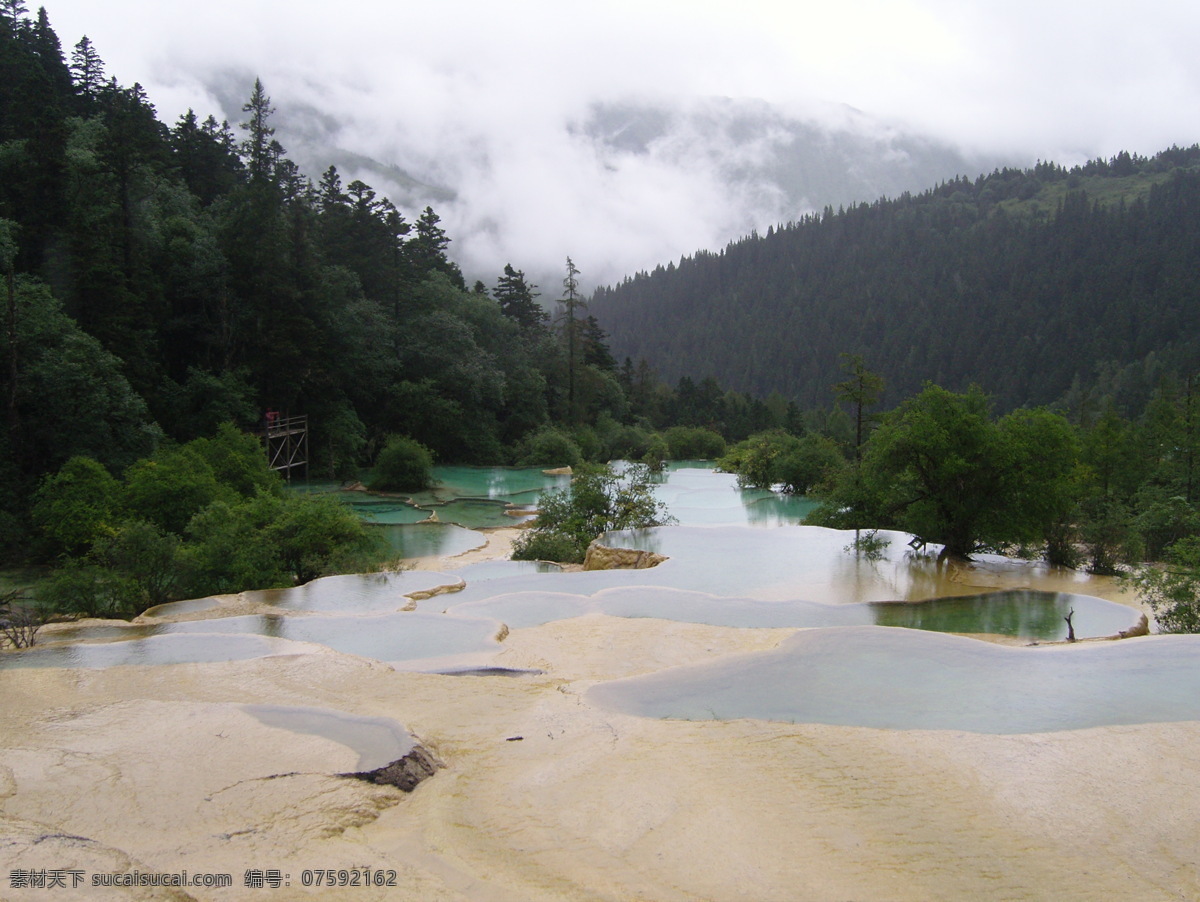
(18, 625)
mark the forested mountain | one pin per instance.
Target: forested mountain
(1035, 284)
(716, 168)
(160, 280)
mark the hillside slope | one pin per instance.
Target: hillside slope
(1025, 282)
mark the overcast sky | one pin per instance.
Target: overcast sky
(476, 95)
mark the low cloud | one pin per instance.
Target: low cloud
(489, 111)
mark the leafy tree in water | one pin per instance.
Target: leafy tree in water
(779, 458)
(548, 447)
(861, 389)
(595, 503)
(404, 465)
(940, 467)
(1173, 590)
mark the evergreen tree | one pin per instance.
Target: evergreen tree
(517, 299)
(12, 13)
(595, 346)
(572, 304)
(427, 250)
(861, 389)
(49, 51)
(87, 71)
(257, 149)
(206, 156)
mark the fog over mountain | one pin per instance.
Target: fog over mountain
(653, 180)
(627, 134)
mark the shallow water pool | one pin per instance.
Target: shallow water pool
(899, 679)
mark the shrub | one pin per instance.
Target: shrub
(237, 461)
(548, 447)
(1108, 535)
(269, 542)
(1173, 590)
(75, 505)
(656, 453)
(81, 587)
(694, 443)
(813, 460)
(589, 444)
(779, 458)
(544, 545)
(171, 487)
(404, 465)
(570, 519)
(1164, 521)
(136, 566)
(630, 443)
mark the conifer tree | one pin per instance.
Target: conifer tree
(49, 51)
(87, 70)
(427, 250)
(517, 299)
(572, 305)
(12, 12)
(257, 148)
(861, 389)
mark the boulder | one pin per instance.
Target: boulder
(602, 557)
(403, 773)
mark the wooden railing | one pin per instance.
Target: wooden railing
(286, 443)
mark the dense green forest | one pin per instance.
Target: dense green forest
(165, 285)
(161, 280)
(1039, 285)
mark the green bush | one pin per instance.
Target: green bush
(694, 443)
(753, 460)
(590, 446)
(171, 487)
(813, 460)
(237, 461)
(320, 536)
(1108, 534)
(203, 518)
(82, 587)
(656, 453)
(1163, 521)
(548, 447)
(630, 443)
(147, 559)
(1173, 589)
(272, 542)
(596, 502)
(404, 465)
(545, 545)
(76, 505)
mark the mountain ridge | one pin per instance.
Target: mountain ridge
(1030, 283)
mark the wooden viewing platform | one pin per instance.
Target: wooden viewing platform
(286, 442)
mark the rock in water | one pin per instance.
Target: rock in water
(403, 773)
